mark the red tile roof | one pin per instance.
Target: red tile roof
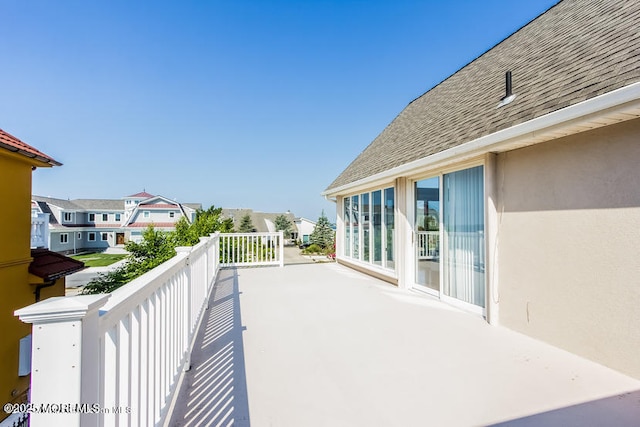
(142, 194)
(11, 143)
(50, 265)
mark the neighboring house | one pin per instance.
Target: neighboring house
(518, 201)
(97, 224)
(262, 221)
(25, 275)
(304, 229)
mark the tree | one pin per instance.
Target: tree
(283, 224)
(157, 247)
(246, 226)
(206, 222)
(323, 235)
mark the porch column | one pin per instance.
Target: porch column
(404, 235)
(492, 223)
(65, 364)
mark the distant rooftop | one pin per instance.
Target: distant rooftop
(142, 194)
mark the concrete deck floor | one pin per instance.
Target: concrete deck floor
(322, 345)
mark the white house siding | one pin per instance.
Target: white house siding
(305, 228)
(568, 259)
(156, 216)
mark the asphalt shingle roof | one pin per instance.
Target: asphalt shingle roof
(576, 50)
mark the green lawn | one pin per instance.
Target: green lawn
(98, 260)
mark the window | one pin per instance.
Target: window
(92, 236)
(104, 236)
(369, 227)
(118, 217)
(105, 217)
(67, 217)
(376, 216)
(79, 236)
(145, 214)
(92, 217)
(64, 238)
(389, 222)
(172, 214)
(347, 226)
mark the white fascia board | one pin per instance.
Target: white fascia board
(496, 141)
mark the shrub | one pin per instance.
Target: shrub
(313, 249)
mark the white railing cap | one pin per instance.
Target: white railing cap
(57, 309)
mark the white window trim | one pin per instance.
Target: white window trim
(66, 238)
(90, 219)
(104, 237)
(383, 267)
(103, 217)
(146, 214)
(79, 236)
(64, 216)
(92, 236)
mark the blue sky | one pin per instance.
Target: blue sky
(253, 104)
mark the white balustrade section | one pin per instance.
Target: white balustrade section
(40, 231)
(252, 249)
(115, 360)
(428, 244)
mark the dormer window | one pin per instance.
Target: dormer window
(67, 217)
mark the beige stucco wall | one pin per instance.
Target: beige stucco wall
(569, 243)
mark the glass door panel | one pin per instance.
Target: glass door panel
(427, 233)
(463, 223)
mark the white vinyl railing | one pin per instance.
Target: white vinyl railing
(115, 360)
(40, 231)
(428, 244)
(252, 249)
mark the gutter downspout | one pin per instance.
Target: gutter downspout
(42, 286)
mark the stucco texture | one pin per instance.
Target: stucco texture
(15, 291)
(568, 239)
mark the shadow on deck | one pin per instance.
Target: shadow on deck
(214, 391)
(323, 345)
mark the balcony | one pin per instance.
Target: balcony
(40, 230)
(194, 344)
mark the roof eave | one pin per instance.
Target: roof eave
(623, 102)
(41, 160)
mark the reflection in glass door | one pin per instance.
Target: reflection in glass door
(427, 233)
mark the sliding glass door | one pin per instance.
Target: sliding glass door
(427, 233)
(463, 234)
(449, 235)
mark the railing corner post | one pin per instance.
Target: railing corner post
(281, 239)
(65, 364)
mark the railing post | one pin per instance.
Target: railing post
(281, 243)
(188, 312)
(65, 368)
